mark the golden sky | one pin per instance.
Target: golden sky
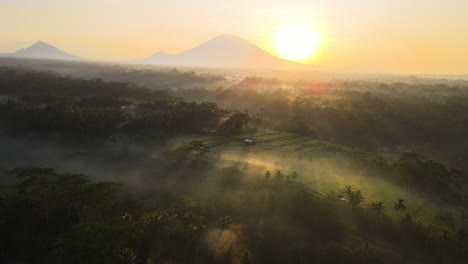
(403, 36)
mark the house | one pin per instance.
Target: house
(210, 130)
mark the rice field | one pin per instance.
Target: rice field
(318, 163)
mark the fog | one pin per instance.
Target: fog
(229, 168)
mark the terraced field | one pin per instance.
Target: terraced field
(318, 163)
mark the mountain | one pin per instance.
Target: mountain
(41, 50)
(223, 51)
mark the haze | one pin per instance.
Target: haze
(372, 35)
(233, 132)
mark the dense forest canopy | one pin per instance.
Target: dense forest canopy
(166, 166)
(428, 118)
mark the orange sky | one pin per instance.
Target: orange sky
(417, 36)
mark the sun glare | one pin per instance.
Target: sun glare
(296, 42)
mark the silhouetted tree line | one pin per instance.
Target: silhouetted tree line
(429, 117)
(417, 173)
(45, 104)
(54, 217)
(37, 86)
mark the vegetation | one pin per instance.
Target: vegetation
(172, 178)
(54, 217)
(50, 105)
(423, 116)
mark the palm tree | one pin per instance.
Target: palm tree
(199, 148)
(348, 190)
(126, 255)
(377, 207)
(356, 198)
(224, 222)
(279, 176)
(267, 175)
(400, 206)
(292, 177)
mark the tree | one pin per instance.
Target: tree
(400, 206)
(377, 207)
(354, 198)
(236, 123)
(199, 148)
(256, 121)
(279, 176)
(246, 257)
(224, 222)
(445, 220)
(126, 256)
(267, 175)
(292, 176)
(97, 242)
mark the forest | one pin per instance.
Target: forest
(106, 164)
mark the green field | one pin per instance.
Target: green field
(318, 164)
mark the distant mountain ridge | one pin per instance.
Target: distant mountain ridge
(223, 51)
(41, 50)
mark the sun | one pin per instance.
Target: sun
(297, 42)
